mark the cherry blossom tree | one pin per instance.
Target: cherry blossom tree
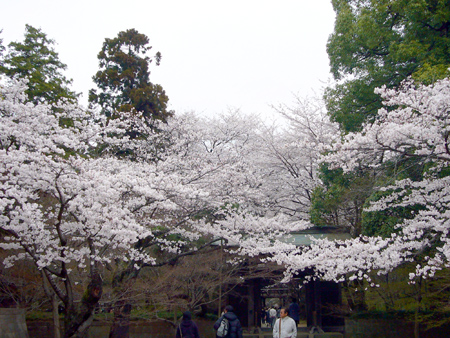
(414, 123)
(290, 155)
(68, 203)
(219, 154)
(216, 156)
(64, 209)
(269, 169)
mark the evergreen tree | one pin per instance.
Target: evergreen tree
(375, 44)
(383, 42)
(339, 201)
(36, 60)
(2, 49)
(123, 80)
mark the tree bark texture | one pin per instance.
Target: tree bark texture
(78, 318)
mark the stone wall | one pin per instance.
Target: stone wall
(380, 328)
(40, 329)
(361, 328)
(12, 323)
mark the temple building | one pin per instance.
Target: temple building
(317, 299)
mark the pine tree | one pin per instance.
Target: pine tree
(123, 80)
(35, 59)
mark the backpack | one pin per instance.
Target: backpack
(222, 331)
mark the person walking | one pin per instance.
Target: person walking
(285, 326)
(272, 316)
(294, 311)
(263, 316)
(234, 325)
(187, 327)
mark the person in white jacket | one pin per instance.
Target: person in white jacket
(285, 326)
(272, 316)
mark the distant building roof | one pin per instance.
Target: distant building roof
(304, 237)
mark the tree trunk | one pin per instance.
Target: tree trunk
(416, 324)
(56, 322)
(356, 299)
(416, 313)
(50, 294)
(360, 297)
(78, 319)
(122, 281)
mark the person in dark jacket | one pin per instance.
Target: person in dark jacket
(294, 311)
(235, 328)
(187, 327)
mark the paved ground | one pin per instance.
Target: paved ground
(299, 335)
(266, 332)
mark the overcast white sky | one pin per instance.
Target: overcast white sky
(245, 54)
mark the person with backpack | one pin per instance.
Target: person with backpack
(228, 325)
(187, 327)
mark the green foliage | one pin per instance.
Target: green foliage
(39, 315)
(382, 223)
(393, 299)
(444, 172)
(2, 49)
(377, 43)
(382, 43)
(333, 176)
(324, 206)
(352, 103)
(36, 60)
(339, 202)
(123, 80)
